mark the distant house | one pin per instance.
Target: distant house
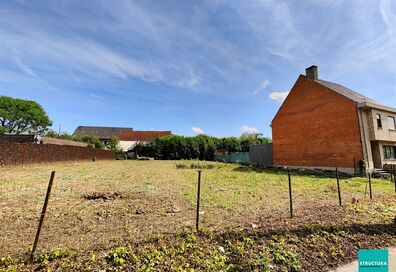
(104, 134)
(324, 125)
(129, 139)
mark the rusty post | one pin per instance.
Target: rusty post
(369, 180)
(198, 199)
(338, 186)
(290, 193)
(43, 213)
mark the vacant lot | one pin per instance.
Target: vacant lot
(97, 206)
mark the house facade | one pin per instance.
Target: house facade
(325, 125)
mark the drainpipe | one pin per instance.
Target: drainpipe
(365, 149)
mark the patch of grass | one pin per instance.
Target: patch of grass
(198, 165)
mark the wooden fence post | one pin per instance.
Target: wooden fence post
(198, 199)
(43, 213)
(290, 193)
(338, 186)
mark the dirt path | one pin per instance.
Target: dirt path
(352, 267)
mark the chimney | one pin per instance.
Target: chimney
(312, 72)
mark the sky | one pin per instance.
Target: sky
(211, 66)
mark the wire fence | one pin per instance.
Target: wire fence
(338, 188)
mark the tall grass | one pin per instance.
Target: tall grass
(199, 165)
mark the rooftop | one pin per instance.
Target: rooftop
(143, 136)
(101, 132)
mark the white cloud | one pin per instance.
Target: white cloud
(262, 86)
(197, 130)
(389, 17)
(278, 96)
(249, 129)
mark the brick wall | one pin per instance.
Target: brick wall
(16, 153)
(316, 127)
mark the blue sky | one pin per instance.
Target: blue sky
(221, 67)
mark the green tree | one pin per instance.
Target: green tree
(91, 140)
(114, 144)
(18, 116)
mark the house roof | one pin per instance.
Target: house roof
(143, 136)
(101, 132)
(355, 96)
(362, 100)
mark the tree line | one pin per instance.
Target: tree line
(19, 116)
(200, 147)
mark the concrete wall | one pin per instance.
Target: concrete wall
(316, 127)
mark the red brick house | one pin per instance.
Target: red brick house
(325, 125)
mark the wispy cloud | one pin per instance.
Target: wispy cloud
(278, 96)
(169, 62)
(262, 86)
(197, 130)
(389, 16)
(248, 129)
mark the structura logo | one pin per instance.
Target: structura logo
(373, 260)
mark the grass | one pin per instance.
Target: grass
(198, 165)
(158, 197)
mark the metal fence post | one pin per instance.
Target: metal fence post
(43, 213)
(394, 175)
(290, 193)
(338, 186)
(369, 180)
(198, 199)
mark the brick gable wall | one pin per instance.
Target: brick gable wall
(316, 127)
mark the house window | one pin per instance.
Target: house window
(389, 152)
(379, 121)
(392, 122)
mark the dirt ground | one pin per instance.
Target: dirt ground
(98, 204)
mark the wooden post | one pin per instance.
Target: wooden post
(290, 193)
(43, 213)
(198, 199)
(369, 180)
(338, 186)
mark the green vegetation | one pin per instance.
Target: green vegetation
(114, 144)
(91, 140)
(198, 165)
(238, 250)
(200, 147)
(18, 116)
